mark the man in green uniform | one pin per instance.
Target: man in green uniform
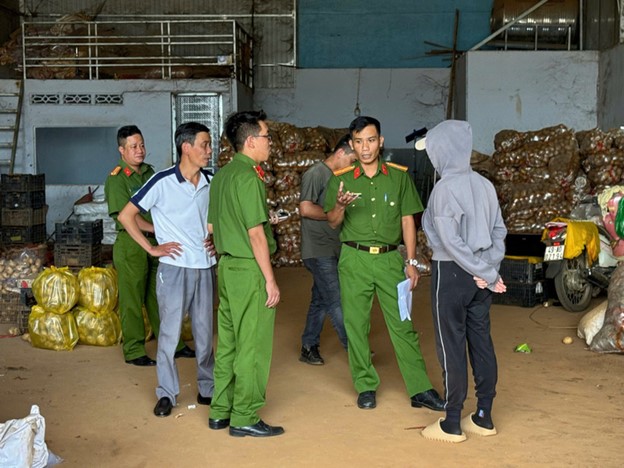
(375, 201)
(136, 270)
(248, 292)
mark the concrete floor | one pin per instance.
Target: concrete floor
(561, 405)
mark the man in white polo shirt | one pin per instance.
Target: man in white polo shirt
(178, 201)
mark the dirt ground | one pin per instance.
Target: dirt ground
(560, 405)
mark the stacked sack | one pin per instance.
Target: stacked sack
(534, 174)
(543, 174)
(50, 325)
(74, 309)
(602, 157)
(96, 317)
(293, 151)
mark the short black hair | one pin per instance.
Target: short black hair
(359, 123)
(343, 143)
(241, 125)
(186, 133)
(127, 131)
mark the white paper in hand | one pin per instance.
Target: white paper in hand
(405, 300)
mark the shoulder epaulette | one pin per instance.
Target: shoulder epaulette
(344, 170)
(397, 166)
(116, 171)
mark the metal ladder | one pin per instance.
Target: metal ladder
(10, 116)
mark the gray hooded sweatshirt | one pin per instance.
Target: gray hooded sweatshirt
(462, 221)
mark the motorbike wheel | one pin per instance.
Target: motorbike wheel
(573, 290)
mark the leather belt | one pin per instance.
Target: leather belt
(149, 235)
(372, 249)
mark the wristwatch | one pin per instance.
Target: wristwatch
(411, 261)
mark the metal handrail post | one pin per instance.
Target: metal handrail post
(236, 55)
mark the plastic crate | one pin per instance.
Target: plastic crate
(28, 300)
(16, 200)
(525, 245)
(22, 182)
(22, 319)
(77, 256)
(521, 294)
(23, 234)
(10, 307)
(80, 232)
(521, 271)
(23, 216)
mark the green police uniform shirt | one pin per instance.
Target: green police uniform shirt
(238, 203)
(375, 217)
(121, 184)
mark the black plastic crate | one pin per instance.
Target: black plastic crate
(10, 305)
(521, 271)
(22, 319)
(80, 232)
(524, 245)
(23, 234)
(22, 182)
(23, 216)
(77, 256)
(16, 200)
(521, 294)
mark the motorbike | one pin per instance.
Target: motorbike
(581, 271)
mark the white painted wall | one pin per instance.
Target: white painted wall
(402, 99)
(611, 88)
(146, 103)
(522, 90)
(528, 90)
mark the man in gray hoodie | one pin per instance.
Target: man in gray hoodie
(466, 233)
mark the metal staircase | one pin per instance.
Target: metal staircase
(10, 115)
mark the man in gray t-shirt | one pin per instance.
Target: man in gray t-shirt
(320, 249)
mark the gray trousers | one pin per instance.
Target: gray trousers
(180, 290)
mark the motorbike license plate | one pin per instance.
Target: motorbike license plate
(554, 252)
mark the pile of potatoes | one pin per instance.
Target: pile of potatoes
(18, 264)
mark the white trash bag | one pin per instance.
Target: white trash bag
(22, 442)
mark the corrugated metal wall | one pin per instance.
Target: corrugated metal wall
(270, 22)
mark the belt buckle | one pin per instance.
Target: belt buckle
(373, 250)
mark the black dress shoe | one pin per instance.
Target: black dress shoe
(204, 400)
(217, 424)
(367, 400)
(184, 352)
(142, 361)
(429, 399)
(260, 429)
(163, 407)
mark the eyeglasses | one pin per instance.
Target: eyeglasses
(268, 137)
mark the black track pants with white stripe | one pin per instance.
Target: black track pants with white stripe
(461, 318)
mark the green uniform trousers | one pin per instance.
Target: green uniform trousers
(136, 272)
(245, 342)
(361, 276)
